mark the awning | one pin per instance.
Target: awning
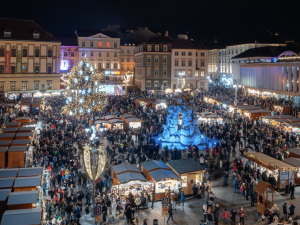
(130, 176)
(22, 217)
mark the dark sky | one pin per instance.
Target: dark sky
(202, 19)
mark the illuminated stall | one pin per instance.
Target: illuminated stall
(116, 124)
(190, 173)
(12, 96)
(292, 127)
(283, 172)
(159, 104)
(253, 114)
(268, 119)
(283, 109)
(163, 177)
(134, 123)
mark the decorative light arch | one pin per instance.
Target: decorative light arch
(288, 54)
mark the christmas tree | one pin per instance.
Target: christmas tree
(84, 93)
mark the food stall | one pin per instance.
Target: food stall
(125, 116)
(123, 168)
(22, 217)
(278, 122)
(24, 107)
(3, 157)
(4, 193)
(268, 119)
(292, 127)
(190, 172)
(283, 109)
(163, 177)
(22, 120)
(36, 106)
(27, 183)
(282, 172)
(116, 124)
(7, 136)
(132, 123)
(11, 124)
(10, 130)
(159, 104)
(12, 97)
(296, 163)
(22, 200)
(16, 156)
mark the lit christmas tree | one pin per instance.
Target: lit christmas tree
(84, 93)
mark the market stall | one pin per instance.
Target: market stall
(36, 106)
(159, 104)
(25, 142)
(282, 172)
(22, 120)
(283, 109)
(268, 119)
(27, 183)
(291, 127)
(10, 130)
(293, 152)
(29, 124)
(22, 217)
(25, 107)
(7, 182)
(190, 172)
(3, 157)
(116, 124)
(12, 97)
(296, 163)
(253, 114)
(4, 193)
(262, 188)
(26, 130)
(123, 168)
(132, 123)
(278, 122)
(11, 124)
(23, 135)
(22, 200)
(16, 156)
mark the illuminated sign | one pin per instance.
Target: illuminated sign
(64, 65)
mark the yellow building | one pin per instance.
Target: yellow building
(127, 59)
(29, 58)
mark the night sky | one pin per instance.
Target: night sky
(203, 20)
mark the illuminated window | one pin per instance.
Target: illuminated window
(156, 48)
(99, 44)
(24, 86)
(107, 44)
(165, 48)
(49, 84)
(36, 69)
(165, 83)
(13, 86)
(156, 83)
(149, 48)
(202, 73)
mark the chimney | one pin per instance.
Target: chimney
(167, 34)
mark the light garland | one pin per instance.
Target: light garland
(101, 160)
(87, 160)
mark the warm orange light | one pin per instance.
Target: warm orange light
(99, 44)
(107, 44)
(117, 72)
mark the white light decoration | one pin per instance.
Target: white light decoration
(86, 78)
(75, 80)
(92, 69)
(71, 113)
(96, 82)
(80, 72)
(87, 65)
(83, 92)
(89, 110)
(80, 110)
(81, 100)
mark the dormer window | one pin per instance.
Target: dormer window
(7, 33)
(36, 35)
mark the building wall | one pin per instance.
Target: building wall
(32, 72)
(69, 58)
(127, 60)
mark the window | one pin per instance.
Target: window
(107, 44)
(65, 54)
(127, 67)
(202, 73)
(24, 86)
(49, 69)
(196, 53)
(36, 69)
(182, 53)
(122, 68)
(1, 87)
(165, 83)
(72, 54)
(12, 86)
(115, 44)
(156, 83)
(49, 52)
(115, 54)
(122, 59)
(176, 62)
(202, 53)
(156, 48)
(176, 53)
(91, 44)
(128, 51)
(164, 59)
(107, 65)
(99, 44)
(49, 85)
(37, 52)
(107, 54)
(36, 85)
(115, 66)
(1, 51)
(12, 69)
(174, 86)
(156, 59)
(149, 48)
(24, 69)
(83, 54)
(148, 71)
(92, 54)
(13, 52)
(202, 63)
(156, 72)
(189, 53)
(149, 59)
(148, 84)
(190, 63)
(182, 63)
(165, 48)
(122, 51)
(189, 73)
(24, 52)
(164, 72)
(196, 63)
(83, 44)
(128, 59)
(1, 69)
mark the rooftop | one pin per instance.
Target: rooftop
(88, 33)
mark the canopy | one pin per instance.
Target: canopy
(185, 166)
(8, 173)
(4, 193)
(125, 167)
(292, 161)
(36, 171)
(23, 197)
(153, 164)
(22, 217)
(162, 174)
(130, 176)
(27, 181)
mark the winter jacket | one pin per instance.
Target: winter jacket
(225, 214)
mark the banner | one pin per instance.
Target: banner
(7, 61)
(164, 207)
(98, 214)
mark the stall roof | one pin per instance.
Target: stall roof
(294, 150)
(109, 117)
(15, 129)
(26, 129)
(34, 171)
(162, 174)
(22, 217)
(116, 121)
(185, 165)
(282, 106)
(270, 117)
(260, 157)
(29, 124)
(12, 124)
(27, 181)
(7, 182)
(23, 118)
(130, 176)
(292, 161)
(294, 120)
(284, 117)
(20, 142)
(127, 115)
(25, 134)
(293, 124)
(262, 186)
(8, 173)
(18, 149)
(4, 193)
(281, 120)
(3, 149)
(129, 119)
(7, 135)
(125, 167)
(7, 143)
(23, 197)
(153, 164)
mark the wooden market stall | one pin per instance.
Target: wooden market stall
(123, 168)
(7, 182)
(162, 176)
(293, 152)
(24, 142)
(3, 157)
(27, 183)
(22, 217)
(252, 114)
(189, 171)
(29, 172)
(23, 135)
(296, 163)
(16, 156)
(262, 188)
(36, 106)
(4, 193)
(284, 117)
(283, 109)
(294, 120)
(11, 124)
(116, 124)
(5, 143)
(282, 172)
(7, 136)
(22, 200)
(10, 130)
(8, 173)
(278, 122)
(159, 104)
(292, 127)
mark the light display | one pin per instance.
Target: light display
(100, 161)
(83, 92)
